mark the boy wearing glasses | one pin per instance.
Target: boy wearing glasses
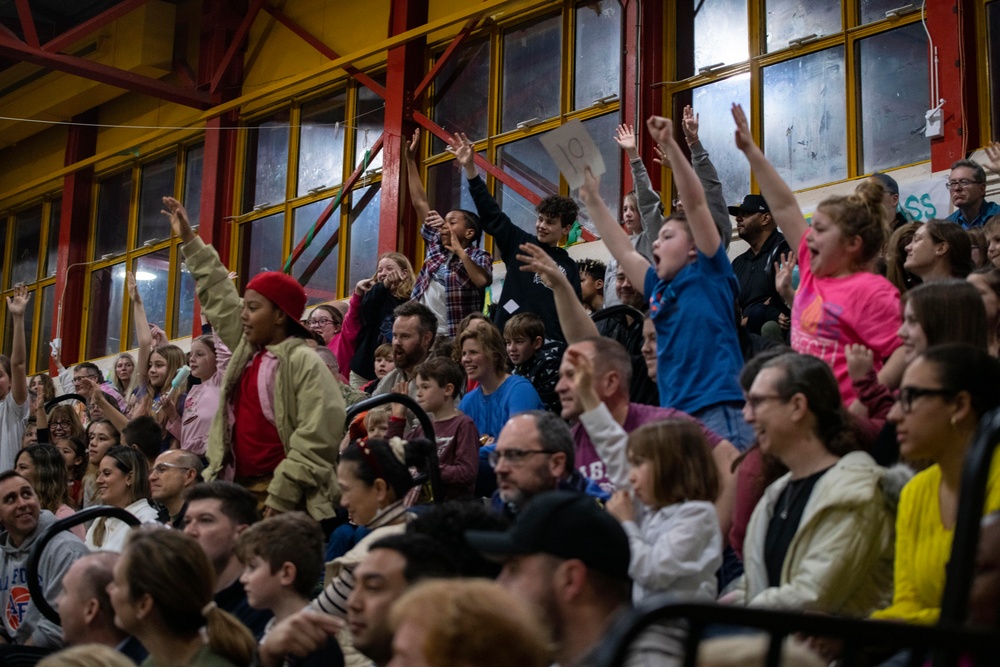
(967, 185)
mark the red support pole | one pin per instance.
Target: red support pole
(405, 70)
(74, 221)
(945, 26)
(27, 22)
(236, 41)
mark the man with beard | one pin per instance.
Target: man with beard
(754, 269)
(534, 454)
(570, 559)
(413, 332)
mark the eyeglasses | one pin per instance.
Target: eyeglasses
(62, 423)
(755, 401)
(960, 183)
(320, 322)
(81, 378)
(514, 456)
(909, 394)
(161, 468)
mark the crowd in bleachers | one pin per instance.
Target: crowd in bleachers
(785, 429)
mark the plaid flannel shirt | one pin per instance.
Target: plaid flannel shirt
(461, 294)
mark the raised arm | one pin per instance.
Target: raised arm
(418, 195)
(143, 336)
(573, 319)
(708, 175)
(650, 204)
(16, 306)
(780, 199)
(615, 238)
(703, 229)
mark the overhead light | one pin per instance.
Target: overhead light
(145, 275)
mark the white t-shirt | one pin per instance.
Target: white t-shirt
(117, 530)
(434, 298)
(13, 418)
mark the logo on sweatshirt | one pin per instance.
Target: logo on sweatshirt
(17, 606)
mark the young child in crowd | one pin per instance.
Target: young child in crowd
(456, 273)
(439, 382)
(667, 483)
(992, 231)
(281, 414)
(282, 559)
(532, 357)
(377, 422)
(522, 291)
(383, 364)
(14, 404)
(839, 301)
(208, 361)
(691, 288)
(389, 287)
(30, 435)
(592, 282)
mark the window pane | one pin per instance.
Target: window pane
(157, 180)
(894, 94)
(323, 284)
(46, 302)
(807, 143)
(532, 57)
(112, 215)
(267, 163)
(795, 19)
(152, 279)
(447, 189)
(715, 130)
(321, 144)
(370, 121)
(27, 243)
(52, 256)
(364, 232)
(29, 326)
(107, 292)
(874, 10)
(528, 162)
(993, 66)
(602, 129)
(598, 51)
(261, 246)
(720, 30)
(184, 292)
(461, 92)
(193, 171)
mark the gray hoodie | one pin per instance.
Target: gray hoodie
(21, 619)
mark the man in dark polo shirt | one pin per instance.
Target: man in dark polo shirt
(754, 269)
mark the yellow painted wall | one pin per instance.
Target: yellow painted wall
(31, 159)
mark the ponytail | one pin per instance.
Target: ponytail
(227, 636)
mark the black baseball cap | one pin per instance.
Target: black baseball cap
(751, 204)
(888, 182)
(565, 525)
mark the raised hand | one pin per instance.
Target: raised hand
(180, 225)
(17, 304)
(464, 153)
(783, 277)
(744, 139)
(411, 148)
(860, 361)
(689, 125)
(159, 335)
(626, 140)
(133, 288)
(434, 220)
(535, 260)
(661, 157)
(993, 157)
(661, 129)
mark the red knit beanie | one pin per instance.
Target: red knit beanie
(283, 291)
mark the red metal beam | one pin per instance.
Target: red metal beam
(27, 22)
(445, 57)
(313, 41)
(101, 73)
(81, 142)
(4, 30)
(945, 25)
(234, 46)
(90, 26)
(325, 216)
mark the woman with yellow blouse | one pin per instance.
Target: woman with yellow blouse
(943, 394)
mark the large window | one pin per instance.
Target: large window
(508, 105)
(295, 164)
(32, 235)
(131, 234)
(834, 88)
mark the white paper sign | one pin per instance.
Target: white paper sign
(572, 149)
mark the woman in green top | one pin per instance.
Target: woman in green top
(162, 595)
